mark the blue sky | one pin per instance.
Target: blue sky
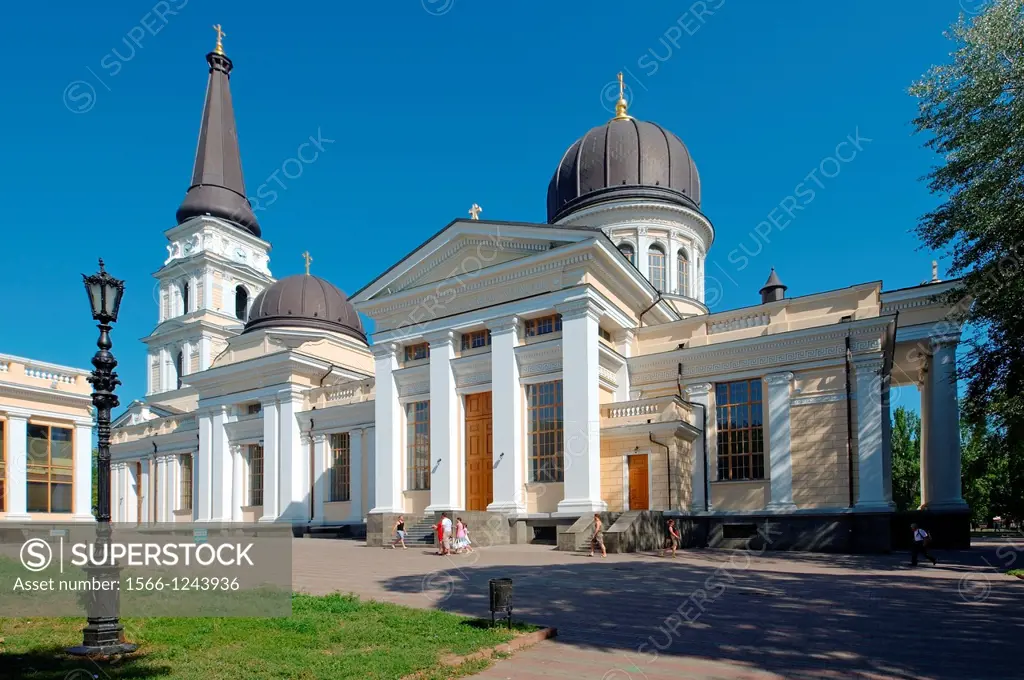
(433, 105)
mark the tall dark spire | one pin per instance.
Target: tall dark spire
(773, 289)
(218, 188)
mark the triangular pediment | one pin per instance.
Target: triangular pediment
(139, 412)
(465, 247)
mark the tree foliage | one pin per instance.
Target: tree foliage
(906, 459)
(972, 111)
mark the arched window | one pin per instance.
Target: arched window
(179, 366)
(683, 273)
(185, 297)
(627, 250)
(241, 302)
(656, 267)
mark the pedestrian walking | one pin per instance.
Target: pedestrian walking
(922, 539)
(446, 534)
(439, 529)
(460, 535)
(399, 532)
(468, 544)
(598, 538)
(672, 540)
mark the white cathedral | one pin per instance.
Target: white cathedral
(531, 374)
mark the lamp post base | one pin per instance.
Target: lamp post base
(102, 638)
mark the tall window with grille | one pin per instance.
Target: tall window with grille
(545, 434)
(683, 273)
(420, 350)
(255, 474)
(185, 501)
(740, 430)
(627, 250)
(417, 444)
(656, 267)
(50, 468)
(341, 466)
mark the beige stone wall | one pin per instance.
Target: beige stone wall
(337, 511)
(733, 496)
(544, 497)
(820, 463)
(416, 502)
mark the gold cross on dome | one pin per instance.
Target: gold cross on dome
(308, 258)
(219, 49)
(474, 212)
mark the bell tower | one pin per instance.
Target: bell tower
(217, 261)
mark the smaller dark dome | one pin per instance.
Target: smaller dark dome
(624, 158)
(306, 301)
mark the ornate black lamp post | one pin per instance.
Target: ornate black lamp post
(103, 633)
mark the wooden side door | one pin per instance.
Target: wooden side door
(639, 494)
(479, 452)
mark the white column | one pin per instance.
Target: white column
(143, 491)
(582, 409)
(159, 490)
(507, 408)
(388, 435)
(923, 388)
(132, 493)
(870, 454)
(271, 460)
(204, 353)
(699, 489)
(643, 243)
(671, 266)
(371, 473)
(220, 479)
(780, 443)
(202, 500)
(17, 468)
(941, 475)
(237, 483)
(82, 502)
(293, 487)
(355, 477)
(321, 475)
(174, 485)
(444, 431)
(115, 492)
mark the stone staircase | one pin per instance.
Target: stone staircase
(421, 532)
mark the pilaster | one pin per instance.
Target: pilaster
(581, 409)
(506, 403)
(321, 475)
(780, 442)
(221, 477)
(700, 494)
(870, 453)
(444, 430)
(82, 480)
(943, 478)
(237, 482)
(271, 460)
(202, 500)
(293, 461)
(388, 423)
(355, 477)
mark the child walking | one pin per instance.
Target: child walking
(460, 535)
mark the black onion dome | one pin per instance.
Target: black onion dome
(624, 158)
(305, 301)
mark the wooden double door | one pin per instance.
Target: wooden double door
(479, 451)
(639, 491)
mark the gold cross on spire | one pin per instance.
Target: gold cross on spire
(474, 212)
(219, 49)
(308, 258)
(622, 104)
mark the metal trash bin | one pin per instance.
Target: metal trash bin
(501, 598)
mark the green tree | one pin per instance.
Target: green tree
(973, 114)
(906, 459)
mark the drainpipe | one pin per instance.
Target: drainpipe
(668, 466)
(704, 430)
(640, 319)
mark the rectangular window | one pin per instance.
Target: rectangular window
(255, 474)
(544, 325)
(545, 434)
(656, 268)
(740, 430)
(3, 466)
(253, 408)
(50, 467)
(476, 339)
(185, 502)
(341, 462)
(417, 444)
(418, 351)
(604, 334)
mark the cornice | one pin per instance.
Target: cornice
(581, 216)
(416, 273)
(779, 379)
(45, 395)
(503, 324)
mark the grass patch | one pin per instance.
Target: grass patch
(335, 636)
(1019, 573)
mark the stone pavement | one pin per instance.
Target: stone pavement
(714, 613)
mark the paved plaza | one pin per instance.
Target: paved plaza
(713, 613)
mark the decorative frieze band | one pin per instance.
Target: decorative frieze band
(821, 398)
